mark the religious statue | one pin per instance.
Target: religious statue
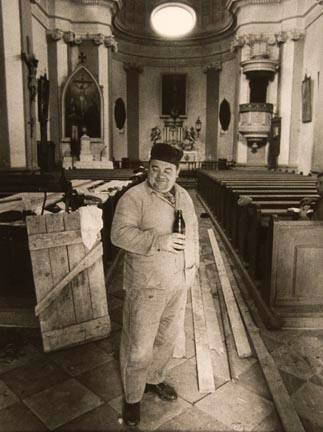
(189, 138)
(155, 135)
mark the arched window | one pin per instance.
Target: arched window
(225, 115)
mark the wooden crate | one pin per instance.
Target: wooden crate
(69, 281)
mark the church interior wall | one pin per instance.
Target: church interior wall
(226, 139)
(150, 104)
(14, 83)
(311, 133)
(118, 90)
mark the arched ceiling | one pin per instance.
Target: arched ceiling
(133, 19)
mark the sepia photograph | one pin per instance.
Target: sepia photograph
(161, 215)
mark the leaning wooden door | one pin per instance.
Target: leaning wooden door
(69, 281)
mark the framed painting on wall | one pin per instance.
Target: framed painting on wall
(307, 99)
(174, 95)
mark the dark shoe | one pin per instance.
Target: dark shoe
(131, 413)
(163, 390)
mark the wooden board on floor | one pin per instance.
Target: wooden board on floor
(203, 356)
(214, 334)
(238, 329)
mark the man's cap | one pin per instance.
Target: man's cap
(166, 152)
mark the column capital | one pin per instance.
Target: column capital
(133, 67)
(110, 42)
(55, 35)
(212, 67)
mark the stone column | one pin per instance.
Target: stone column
(133, 72)
(287, 87)
(57, 73)
(17, 134)
(212, 111)
(242, 148)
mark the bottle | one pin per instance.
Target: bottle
(179, 223)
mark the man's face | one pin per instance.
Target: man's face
(319, 186)
(162, 175)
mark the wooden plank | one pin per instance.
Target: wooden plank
(49, 240)
(212, 324)
(60, 268)
(42, 271)
(214, 333)
(88, 260)
(76, 334)
(80, 284)
(203, 356)
(238, 329)
(98, 289)
(284, 405)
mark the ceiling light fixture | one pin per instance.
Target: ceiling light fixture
(173, 19)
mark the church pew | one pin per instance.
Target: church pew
(249, 225)
(295, 283)
(233, 195)
(223, 189)
(210, 189)
(232, 211)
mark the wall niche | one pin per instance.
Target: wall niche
(225, 115)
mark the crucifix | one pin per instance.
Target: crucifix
(31, 63)
(82, 57)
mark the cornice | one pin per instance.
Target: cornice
(72, 38)
(269, 38)
(108, 3)
(234, 5)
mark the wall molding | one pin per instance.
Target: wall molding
(72, 38)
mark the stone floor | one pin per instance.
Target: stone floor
(79, 389)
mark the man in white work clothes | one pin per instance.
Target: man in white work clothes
(159, 267)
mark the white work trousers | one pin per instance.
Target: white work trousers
(150, 328)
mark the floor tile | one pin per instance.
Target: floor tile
(13, 356)
(62, 403)
(154, 412)
(101, 419)
(18, 418)
(311, 426)
(110, 344)
(104, 380)
(254, 380)
(231, 404)
(7, 397)
(184, 379)
(308, 402)
(292, 383)
(79, 359)
(238, 365)
(301, 357)
(193, 420)
(317, 379)
(271, 423)
(38, 374)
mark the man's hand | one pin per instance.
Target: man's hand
(172, 242)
